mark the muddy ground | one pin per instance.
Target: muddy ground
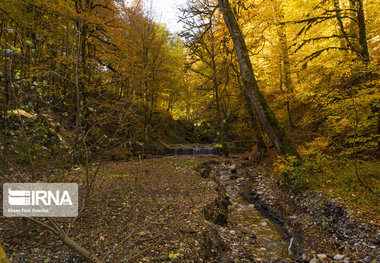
(172, 209)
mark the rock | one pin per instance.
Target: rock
(143, 234)
(163, 257)
(376, 240)
(205, 169)
(212, 245)
(316, 211)
(217, 211)
(226, 259)
(205, 172)
(338, 257)
(232, 168)
(322, 257)
(232, 232)
(314, 260)
(305, 257)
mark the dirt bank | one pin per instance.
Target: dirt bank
(321, 228)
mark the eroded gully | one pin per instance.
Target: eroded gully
(252, 236)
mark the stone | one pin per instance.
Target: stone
(338, 257)
(305, 257)
(163, 257)
(212, 244)
(205, 172)
(225, 259)
(314, 260)
(322, 257)
(376, 240)
(217, 211)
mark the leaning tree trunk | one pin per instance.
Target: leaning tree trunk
(261, 146)
(280, 139)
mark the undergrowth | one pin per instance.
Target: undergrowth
(355, 182)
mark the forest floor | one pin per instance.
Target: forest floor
(152, 210)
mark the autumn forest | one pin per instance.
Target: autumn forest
(275, 101)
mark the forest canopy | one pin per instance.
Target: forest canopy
(107, 75)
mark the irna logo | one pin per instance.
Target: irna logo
(41, 197)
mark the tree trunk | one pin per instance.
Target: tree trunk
(261, 146)
(357, 27)
(79, 249)
(219, 118)
(286, 77)
(281, 141)
(349, 43)
(362, 32)
(78, 65)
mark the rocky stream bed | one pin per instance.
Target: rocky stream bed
(317, 229)
(199, 209)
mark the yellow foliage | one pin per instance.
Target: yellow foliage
(3, 255)
(285, 165)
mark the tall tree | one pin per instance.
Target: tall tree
(206, 49)
(362, 30)
(285, 73)
(280, 139)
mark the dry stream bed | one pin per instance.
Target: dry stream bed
(183, 209)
